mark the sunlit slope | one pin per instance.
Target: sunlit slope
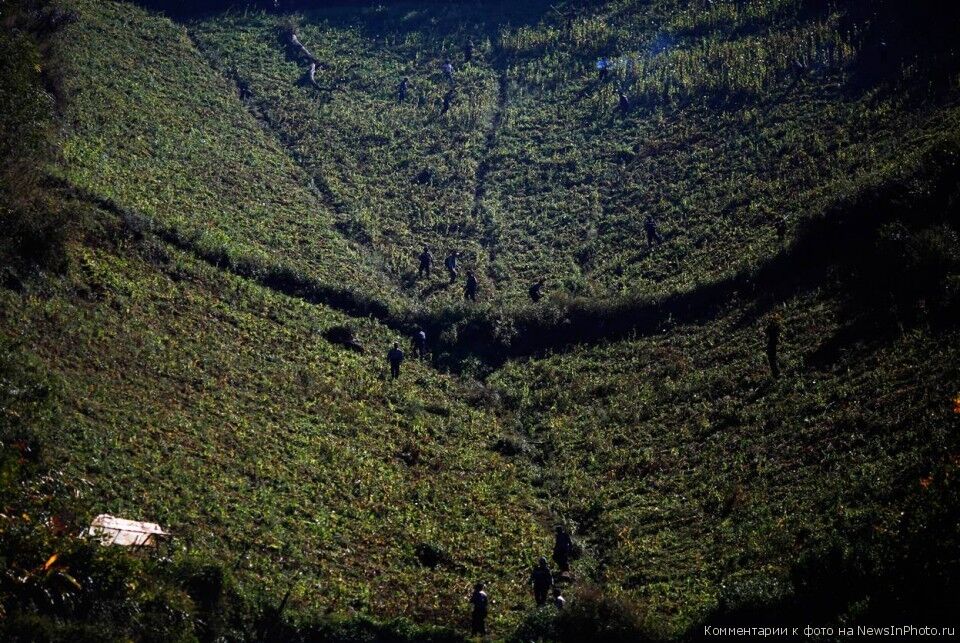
(153, 127)
(741, 116)
(398, 176)
(215, 408)
(701, 484)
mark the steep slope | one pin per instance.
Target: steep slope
(154, 128)
(706, 487)
(399, 175)
(214, 407)
(741, 116)
(204, 179)
(699, 484)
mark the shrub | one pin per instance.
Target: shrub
(34, 219)
(590, 615)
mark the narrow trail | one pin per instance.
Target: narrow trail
(491, 234)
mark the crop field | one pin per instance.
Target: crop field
(534, 173)
(155, 129)
(221, 411)
(198, 221)
(701, 482)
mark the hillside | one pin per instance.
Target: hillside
(533, 172)
(192, 220)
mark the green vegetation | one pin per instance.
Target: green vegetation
(197, 231)
(725, 137)
(223, 412)
(154, 129)
(35, 226)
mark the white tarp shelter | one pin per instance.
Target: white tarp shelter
(126, 533)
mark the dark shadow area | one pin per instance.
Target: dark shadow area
(887, 285)
(869, 577)
(381, 18)
(899, 39)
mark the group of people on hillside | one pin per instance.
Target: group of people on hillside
(471, 289)
(396, 356)
(448, 71)
(472, 286)
(450, 263)
(419, 340)
(542, 581)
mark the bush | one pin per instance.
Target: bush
(34, 219)
(591, 615)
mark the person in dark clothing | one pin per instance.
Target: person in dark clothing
(781, 225)
(447, 102)
(650, 225)
(395, 357)
(450, 263)
(624, 103)
(426, 263)
(480, 602)
(542, 580)
(773, 342)
(562, 549)
(468, 51)
(603, 69)
(536, 290)
(402, 89)
(420, 344)
(470, 292)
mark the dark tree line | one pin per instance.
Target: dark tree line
(193, 7)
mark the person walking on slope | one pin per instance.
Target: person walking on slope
(447, 102)
(420, 344)
(542, 580)
(536, 290)
(402, 90)
(447, 69)
(426, 263)
(781, 226)
(480, 602)
(773, 342)
(653, 235)
(470, 292)
(562, 549)
(624, 103)
(603, 69)
(395, 357)
(450, 263)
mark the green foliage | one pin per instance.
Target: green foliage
(698, 481)
(245, 231)
(266, 447)
(34, 222)
(157, 131)
(593, 615)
